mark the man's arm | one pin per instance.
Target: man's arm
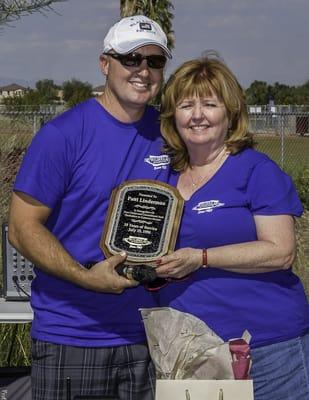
(28, 234)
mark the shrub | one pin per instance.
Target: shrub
(301, 180)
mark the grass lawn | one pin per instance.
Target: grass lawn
(292, 154)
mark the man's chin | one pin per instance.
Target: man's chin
(141, 101)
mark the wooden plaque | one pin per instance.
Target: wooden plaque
(143, 220)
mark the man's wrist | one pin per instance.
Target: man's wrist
(82, 277)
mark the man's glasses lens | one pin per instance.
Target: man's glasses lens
(156, 61)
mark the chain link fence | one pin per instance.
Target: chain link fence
(17, 127)
(283, 133)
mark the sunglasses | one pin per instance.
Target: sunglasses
(155, 61)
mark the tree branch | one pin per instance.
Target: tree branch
(12, 10)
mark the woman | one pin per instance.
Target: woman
(237, 240)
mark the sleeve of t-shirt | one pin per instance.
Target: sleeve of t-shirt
(45, 173)
(272, 192)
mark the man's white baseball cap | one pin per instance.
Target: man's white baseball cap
(133, 32)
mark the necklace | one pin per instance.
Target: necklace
(209, 173)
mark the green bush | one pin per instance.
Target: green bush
(301, 180)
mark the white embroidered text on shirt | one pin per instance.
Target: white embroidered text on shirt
(207, 206)
(158, 162)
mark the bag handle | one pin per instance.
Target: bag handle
(188, 397)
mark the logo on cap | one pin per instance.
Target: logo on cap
(145, 26)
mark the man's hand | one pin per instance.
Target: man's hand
(103, 277)
(28, 234)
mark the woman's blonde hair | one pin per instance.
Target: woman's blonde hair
(204, 77)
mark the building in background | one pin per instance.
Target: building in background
(12, 90)
(98, 90)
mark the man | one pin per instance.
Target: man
(87, 333)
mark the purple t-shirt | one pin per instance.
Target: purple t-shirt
(72, 166)
(271, 306)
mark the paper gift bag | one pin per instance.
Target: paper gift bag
(184, 347)
(187, 389)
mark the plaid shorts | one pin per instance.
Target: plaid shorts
(61, 372)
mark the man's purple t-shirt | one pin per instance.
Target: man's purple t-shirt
(72, 166)
(271, 306)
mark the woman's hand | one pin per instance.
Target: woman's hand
(180, 263)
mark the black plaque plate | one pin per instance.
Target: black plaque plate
(143, 220)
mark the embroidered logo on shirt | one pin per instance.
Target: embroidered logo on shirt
(207, 206)
(158, 162)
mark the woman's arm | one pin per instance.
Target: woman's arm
(275, 249)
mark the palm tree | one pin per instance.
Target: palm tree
(158, 10)
(11, 10)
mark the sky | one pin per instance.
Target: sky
(265, 40)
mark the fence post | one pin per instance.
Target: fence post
(34, 124)
(282, 139)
